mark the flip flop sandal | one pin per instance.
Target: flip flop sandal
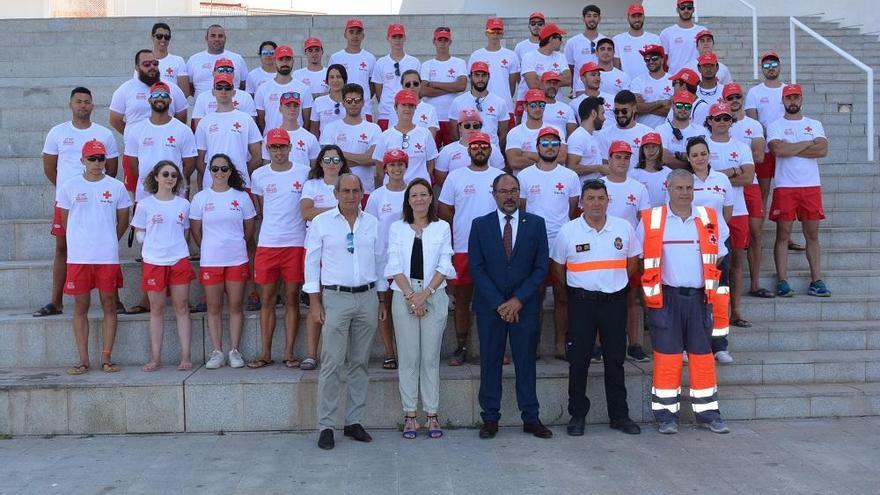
(389, 363)
(47, 310)
(793, 246)
(292, 363)
(120, 308)
(79, 369)
(136, 310)
(762, 292)
(109, 367)
(741, 323)
(260, 363)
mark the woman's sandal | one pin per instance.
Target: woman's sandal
(47, 310)
(109, 367)
(410, 427)
(292, 363)
(389, 363)
(79, 369)
(260, 363)
(433, 425)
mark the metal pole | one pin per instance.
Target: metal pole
(792, 50)
(754, 44)
(870, 128)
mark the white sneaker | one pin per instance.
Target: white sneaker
(723, 357)
(235, 359)
(217, 360)
(684, 357)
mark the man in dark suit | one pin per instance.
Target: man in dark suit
(508, 256)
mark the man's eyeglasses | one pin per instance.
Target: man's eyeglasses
(224, 70)
(734, 97)
(722, 118)
(679, 105)
(686, 6)
(160, 36)
(335, 160)
(150, 63)
(507, 192)
(621, 111)
(349, 242)
(412, 84)
(352, 101)
(215, 169)
(160, 94)
(397, 69)
(546, 143)
(537, 104)
(770, 65)
(559, 37)
(96, 158)
(167, 174)
(472, 126)
(479, 146)
(267, 53)
(404, 144)
(223, 87)
(277, 147)
(536, 23)
(652, 58)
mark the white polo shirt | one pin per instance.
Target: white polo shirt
(420, 148)
(585, 145)
(207, 103)
(633, 135)
(164, 223)
(328, 260)
(447, 71)
(579, 244)
(200, 68)
(388, 77)
(66, 142)
(358, 66)
(626, 48)
(652, 90)
(357, 138)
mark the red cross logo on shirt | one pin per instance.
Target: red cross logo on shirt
(180, 216)
(667, 88)
(423, 118)
(560, 113)
(234, 203)
(716, 188)
(301, 143)
(808, 129)
(555, 65)
(169, 71)
(559, 186)
(618, 81)
(734, 155)
(107, 195)
(171, 139)
(748, 132)
(451, 71)
(491, 109)
(364, 136)
(713, 239)
(419, 146)
(637, 141)
(504, 61)
(363, 65)
(236, 125)
(297, 186)
(631, 198)
(235, 103)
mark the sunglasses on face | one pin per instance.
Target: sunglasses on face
(150, 63)
(652, 58)
(404, 144)
(215, 169)
(472, 126)
(559, 37)
(550, 144)
(537, 104)
(160, 94)
(412, 84)
(686, 6)
(479, 146)
(96, 158)
(687, 106)
(224, 70)
(167, 174)
(349, 242)
(352, 101)
(335, 160)
(267, 53)
(397, 36)
(734, 97)
(397, 69)
(223, 87)
(536, 23)
(621, 111)
(499, 32)
(278, 147)
(159, 36)
(722, 118)
(770, 65)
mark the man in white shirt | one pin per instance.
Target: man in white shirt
(591, 79)
(520, 150)
(172, 68)
(313, 75)
(200, 66)
(62, 154)
(556, 113)
(266, 70)
(709, 89)
(676, 132)
(205, 103)
(340, 278)
(585, 157)
(530, 44)
(547, 57)
(304, 147)
(764, 104)
(706, 44)
(678, 39)
(614, 80)
(653, 90)
(629, 44)
(269, 94)
(455, 155)
(625, 127)
(798, 142)
(581, 48)
(387, 71)
(443, 78)
(495, 110)
(504, 64)
(355, 136)
(358, 62)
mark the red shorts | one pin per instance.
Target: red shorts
(796, 203)
(157, 278)
(272, 263)
(767, 168)
(462, 275)
(213, 275)
(511, 123)
(58, 229)
(519, 109)
(368, 118)
(383, 124)
(444, 135)
(129, 178)
(754, 201)
(739, 231)
(81, 279)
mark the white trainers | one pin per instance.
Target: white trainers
(235, 359)
(217, 360)
(723, 357)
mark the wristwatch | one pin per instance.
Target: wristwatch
(431, 290)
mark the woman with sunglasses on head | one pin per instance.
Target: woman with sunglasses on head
(415, 140)
(161, 221)
(329, 108)
(318, 196)
(650, 170)
(222, 222)
(304, 145)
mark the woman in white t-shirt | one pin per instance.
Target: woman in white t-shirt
(161, 222)
(711, 188)
(222, 223)
(386, 204)
(650, 170)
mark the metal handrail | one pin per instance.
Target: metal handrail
(792, 24)
(754, 38)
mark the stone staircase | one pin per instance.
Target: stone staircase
(804, 357)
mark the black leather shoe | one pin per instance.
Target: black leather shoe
(625, 425)
(357, 432)
(325, 441)
(576, 427)
(537, 429)
(489, 429)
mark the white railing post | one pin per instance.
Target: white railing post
(869, 72)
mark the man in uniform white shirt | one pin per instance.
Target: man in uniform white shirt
(678, 39)
(341, 272)
(594, 256)
(556, 113)
(206, 103)
(625, 127)
(591, 79)
(355, 136)
(387, 71)
(504, 64)
(706, 44)
(455, 155)
(709, 89)
(536, 22)
(172, 68)
(495, 110)
(466, 195)
(581, 48)
(443, 78)
(358, 62)
(676, 132)
(653, 90)
(628, 44)
(613, 79)
(266, 70)
(313, 75)
(520, 150)
(200, 66)
(585, 157)
(764, 104)
(551, 190)
(269, 94)
(798, 142)
(62, 153)
(547, 57)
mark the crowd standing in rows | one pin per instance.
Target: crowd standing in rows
(617, 171)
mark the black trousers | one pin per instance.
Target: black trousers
(589, 313)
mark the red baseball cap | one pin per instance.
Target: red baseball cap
(469, 115)
(395, 29)
(290, 97)
(731, 89)
(311, 43)
(658, 49)
(442, 33)
(535, 95)
(159, 85)
(479, 66)
(704, 32)
(283, 51)
(479, 137)
(223, 62)
(550, 76)
(548, 131)
(720, 109)
(689, 77)
(708, 58)
(620, 147)
(226, 78)
(93, 148)
(792, 89)
(493, 23)
(589, 67)
(277, 136)
(652, 138)
(537, 15)
(769, 54)
(395, 155)
(635, 8)
(406, 97)
(679, 2)
(683, 96)
(354, 24)
(549, 30)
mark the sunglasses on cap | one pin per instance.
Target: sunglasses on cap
(150, 63)
(352, 101)
(722, 118)
(96, 158)
(472, 126)
(224, 70)
(681, 105)
(734, 97)
(160, 36)
(412, 84)
(267, 53)
(559, 37)
(537, 104)
(594, 182)
(223, 87)
(546, 143)
(331, 159)
(536, 23)
(479, 146)
(652, 58)
(167, 174)
(770, 65)
(160, 94)
(216, 168)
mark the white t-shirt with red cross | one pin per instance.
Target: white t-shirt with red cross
(632, 135)
(222, 216)
(130, 100)
(548, 193)
(314, 79)
(171, 67)
(164, 223)
(579, 50)
(526, 139)
(91, 219)
(673, 144)
(355, 139)
(654, 182)
(323, 195)
(715, 192)
(626, 48)
(502, 63)
(229, 133)
(324, 111)
(151, 143)
(446, 71)
(538, 63)
(492, 108)
(608, 98)
(525, 46)
(558, 114)
(470, 193)
(424, 116)
(455, 155)
(66, 141)
(767, 101)
(358, 66)
(796, 171)
(652, 90)
(200, 68)
(304, 147)
(256, 78)
(387, 207)
(419, 146)
(207, 103)
(611, 81)
(385, 74)
(585, 145)
(723, 156)
(680, 45)
(283, 224)
(627, 199)
(746, 129)
(268, 99)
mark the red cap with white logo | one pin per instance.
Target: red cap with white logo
(620, 147)
(277, 136)
(395, 155)
(93, 148)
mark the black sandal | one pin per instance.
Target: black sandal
(47, 310)
(389, 363)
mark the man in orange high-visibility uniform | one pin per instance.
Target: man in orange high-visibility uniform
(681, 247)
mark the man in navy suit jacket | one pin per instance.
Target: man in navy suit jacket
(508, 256)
